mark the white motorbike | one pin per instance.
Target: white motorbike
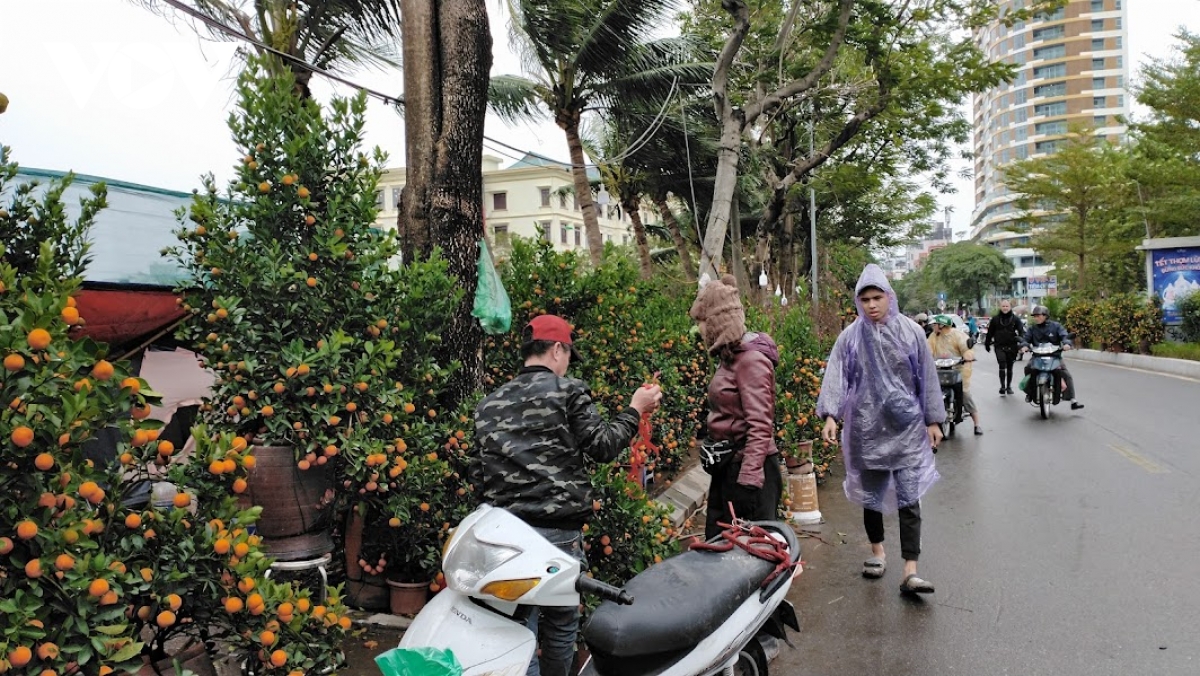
(698, 613)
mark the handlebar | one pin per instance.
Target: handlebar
(587, 585)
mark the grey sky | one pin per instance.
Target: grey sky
(105, 87)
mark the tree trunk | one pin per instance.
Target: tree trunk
(630, 205)
(454, 43)
(569, 122)
(422, 123)
(736, 264)
(685, 256)
(724, 187)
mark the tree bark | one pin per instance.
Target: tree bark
(453, 42)
(569, 122)
(681, 247)
(630, 205)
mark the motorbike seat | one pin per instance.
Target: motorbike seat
(678, 603)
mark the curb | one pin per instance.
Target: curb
(1176, 367)
(685, 495)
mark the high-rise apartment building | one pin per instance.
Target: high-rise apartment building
(1073, 69)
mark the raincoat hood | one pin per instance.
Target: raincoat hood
(873, 275)
(761, 342)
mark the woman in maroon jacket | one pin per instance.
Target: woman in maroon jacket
(741, 408)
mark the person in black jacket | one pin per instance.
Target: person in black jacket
(533, 434)
(1005, 331)
(1042, 330)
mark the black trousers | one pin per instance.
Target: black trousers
(910, 530)
(761, 504)
(1068, 395)
(1005, 356)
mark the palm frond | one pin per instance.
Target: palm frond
(611, 29)
(516, 99)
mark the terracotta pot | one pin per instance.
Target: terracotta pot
(408, 598)
(297, 504)
(193, 658)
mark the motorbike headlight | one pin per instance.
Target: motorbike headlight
(944, 363)
(472, 559)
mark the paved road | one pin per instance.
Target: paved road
(1066, 546)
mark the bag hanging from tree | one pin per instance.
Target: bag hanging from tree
(492, 308)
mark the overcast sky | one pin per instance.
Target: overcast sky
(105, 87)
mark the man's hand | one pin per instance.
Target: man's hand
(646, 398)
(830, 431)
(935, 435)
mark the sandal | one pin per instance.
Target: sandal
(874, 568)
(915, 585)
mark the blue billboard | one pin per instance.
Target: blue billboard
(1174, 274)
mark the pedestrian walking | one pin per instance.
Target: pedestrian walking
(1005, 332)
(741, 411)
(534, 433)
(881, 385)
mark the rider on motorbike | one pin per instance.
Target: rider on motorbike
(1043, 330)
(948, 342)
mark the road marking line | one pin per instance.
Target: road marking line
(1140, 460)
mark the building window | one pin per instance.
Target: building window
(1120, 42)
(1097, 25)
(499, 201)
(1120, 62)
(562, 200)
(1048, 128)
(1052, 52)
(1052, 89)
(1118, 21)
(1097, 44)
(1051, 70)
(578, 235)
(1097, 5)
(397, 197)
(1050, 109)
(624, 239)
(575, 202)
(1022, 152)
(1098, 64)
(1045, 146)
(1120, 100)
(1099, 121)
(1098, 83)
(1098, 101)
(500, 233)
(562, 234)
(1049, 33)
(1052, 16)
(544, 193)
(544, 229)
(379, 199)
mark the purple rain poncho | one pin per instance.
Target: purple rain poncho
(881, 383)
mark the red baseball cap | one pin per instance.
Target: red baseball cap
(554, 329)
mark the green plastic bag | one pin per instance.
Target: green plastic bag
(492, 308)
(1024, 382)
(419, 662)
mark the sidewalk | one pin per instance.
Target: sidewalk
(1183, 368)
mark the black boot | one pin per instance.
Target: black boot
(1075, 406)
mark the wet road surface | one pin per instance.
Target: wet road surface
(1062, 546)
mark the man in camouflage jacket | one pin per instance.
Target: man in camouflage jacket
(531, 438)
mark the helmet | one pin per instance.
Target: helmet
(1040, 310)
(944, 320)
(922, 318)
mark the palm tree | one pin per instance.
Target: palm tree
(334, 35)
(584, 55)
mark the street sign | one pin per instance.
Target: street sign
(942, 305)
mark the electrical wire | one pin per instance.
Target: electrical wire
(398, 101)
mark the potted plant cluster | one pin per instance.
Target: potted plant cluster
(95, 577)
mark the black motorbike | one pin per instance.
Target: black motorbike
(1045, 377)
(950, 377)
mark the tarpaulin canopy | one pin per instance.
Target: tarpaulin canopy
(128, 292)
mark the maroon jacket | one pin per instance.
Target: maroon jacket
(741, 403)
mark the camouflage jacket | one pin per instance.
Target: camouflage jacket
(531, 438)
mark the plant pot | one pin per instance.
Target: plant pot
(296, 504)
(408, 598)
(370, 592)
(192, 658)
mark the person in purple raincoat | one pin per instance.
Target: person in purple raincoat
(881, 385)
